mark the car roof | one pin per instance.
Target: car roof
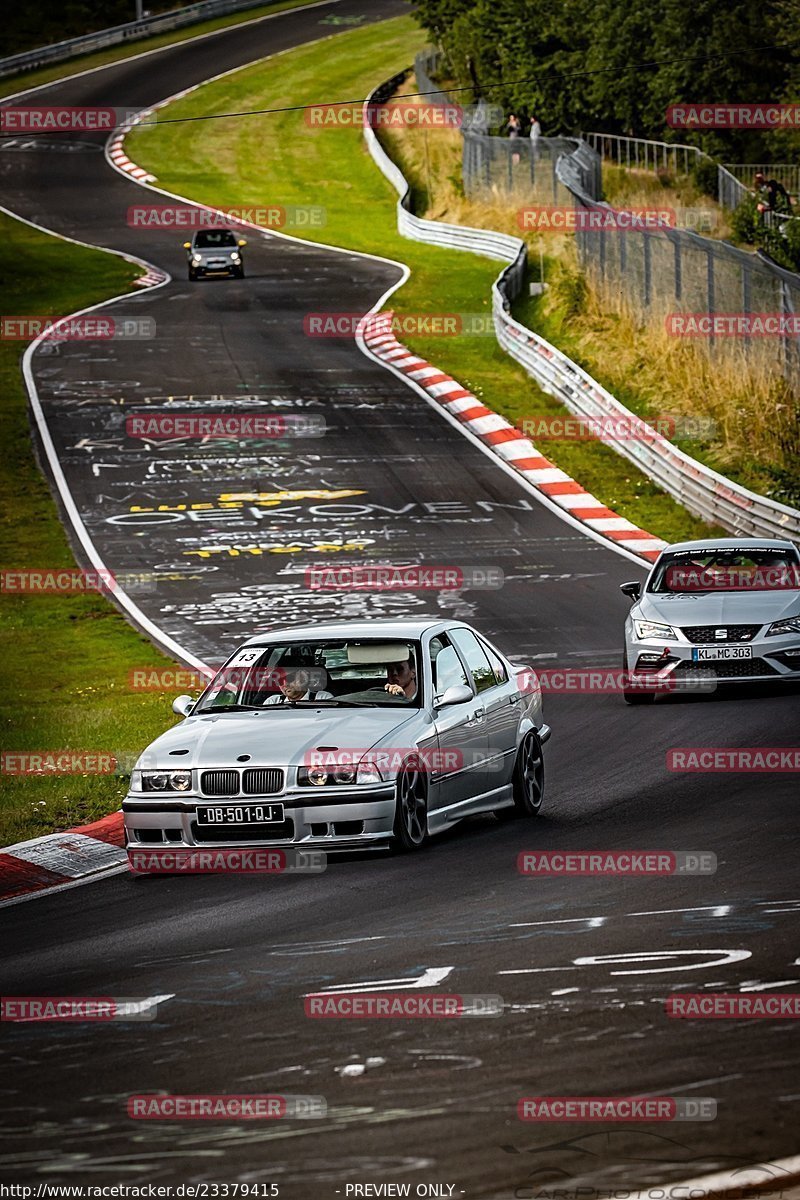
(732, 543)
(402, 630)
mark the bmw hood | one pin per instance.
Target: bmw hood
(274, 737)
(720, 608)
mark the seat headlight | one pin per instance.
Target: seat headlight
(787, 625)
(161, 781)
(196, 260)
(235, 255)
(652, 629)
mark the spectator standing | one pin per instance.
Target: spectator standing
(535, 135)
(514, 128)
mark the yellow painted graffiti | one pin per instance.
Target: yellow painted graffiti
(239, 499)
(317, 548)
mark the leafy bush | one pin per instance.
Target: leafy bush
(704, 174)
(744, 222)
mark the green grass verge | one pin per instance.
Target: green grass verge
(279, 159)
(101, 58)
(66, 659)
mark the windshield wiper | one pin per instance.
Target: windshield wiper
(223, 708)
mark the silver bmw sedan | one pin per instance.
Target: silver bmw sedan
(344, 736)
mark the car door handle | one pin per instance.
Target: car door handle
(476, 718)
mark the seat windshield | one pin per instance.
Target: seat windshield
(727, 570)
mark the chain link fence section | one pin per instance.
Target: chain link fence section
(656, 272)
(703, 491)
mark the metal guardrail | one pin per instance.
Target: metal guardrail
(117, 34)
(787, 173)
(704, 492)
(642, 154)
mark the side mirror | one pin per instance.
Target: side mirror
(632, 589)
(242, 242)
(187, 245)
(457, 694)
(183, 705)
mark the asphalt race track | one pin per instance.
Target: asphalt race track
(576, 961)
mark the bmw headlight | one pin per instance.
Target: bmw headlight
(651, 629)
(322, 776)
(161, 781)
(787, 625)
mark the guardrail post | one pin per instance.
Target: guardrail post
(647, 268)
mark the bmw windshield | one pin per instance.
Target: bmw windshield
(367, 672)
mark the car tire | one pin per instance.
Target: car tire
(192, 275)
(410, 831)
(240, 273)
(527, 781)
(637, 696)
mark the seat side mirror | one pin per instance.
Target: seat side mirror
(457, 694)
(187, 245)
(183, 705)
(242, 241)
(632, 589)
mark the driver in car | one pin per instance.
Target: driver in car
(401, 679)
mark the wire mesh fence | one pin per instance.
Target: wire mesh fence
(736, 304)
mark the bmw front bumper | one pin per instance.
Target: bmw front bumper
(336, 817)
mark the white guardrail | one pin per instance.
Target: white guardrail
(702, 491)
(116, 35)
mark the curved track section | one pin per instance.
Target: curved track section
(229, 531)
